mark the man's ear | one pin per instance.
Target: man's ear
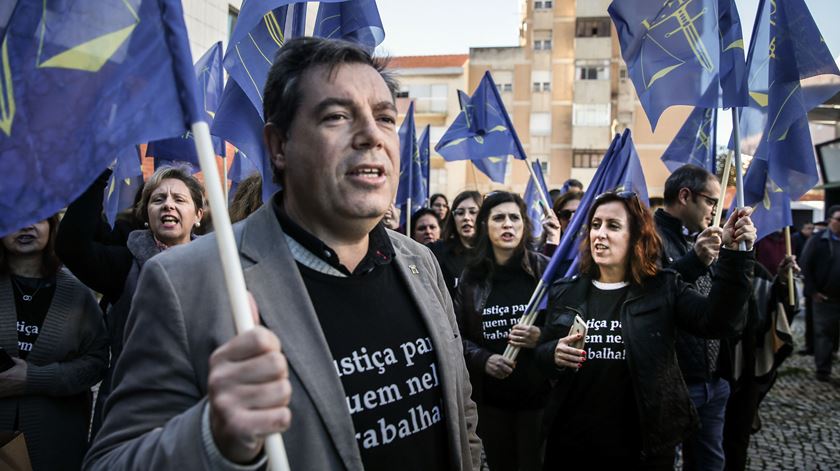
(684, 195)
(276, 145)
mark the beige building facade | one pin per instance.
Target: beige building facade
(567, 90)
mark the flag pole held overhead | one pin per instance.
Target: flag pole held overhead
(739, 169)
(232, 268)
(724, 184)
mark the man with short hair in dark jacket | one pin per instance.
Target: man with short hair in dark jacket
(821, 267)
(691, 195)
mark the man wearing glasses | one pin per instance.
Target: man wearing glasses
(821, 267)
(690, 246)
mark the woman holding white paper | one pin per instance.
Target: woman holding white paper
(620, 400)
(495, 287)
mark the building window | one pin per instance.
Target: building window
(592, 28)
(541, 80)
(540, 5)
(587, 158)
(505, 87)
(428, 98)
(542, 44)
(592, 70)
(540, 124)
(622, 73)
(548, 4)
(591, 114)
(542, 87)
(544, 165)
(233, 15)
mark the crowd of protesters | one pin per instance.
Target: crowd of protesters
(673, 358)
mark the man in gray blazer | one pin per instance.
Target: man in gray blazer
(371, 373)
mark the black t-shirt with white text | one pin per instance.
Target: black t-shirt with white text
(599, 413)
(526, 387)
(33, 297)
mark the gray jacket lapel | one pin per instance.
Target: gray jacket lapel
(272, 276)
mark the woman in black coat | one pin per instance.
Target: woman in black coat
(620, 401)
(494, 290)
(456, 238)
(171, 207)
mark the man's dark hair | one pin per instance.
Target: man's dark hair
(282, 94)
(831, 210)
(688, 176)
(573, 183)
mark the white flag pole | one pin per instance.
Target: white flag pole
(232, 269)
(739, 169)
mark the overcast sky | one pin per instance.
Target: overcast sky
(453, 26)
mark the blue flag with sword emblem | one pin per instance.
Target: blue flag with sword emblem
(356, 21)
(494, 167)
(209, 77)
(786, 47)
(248, 58)
(261, 29)
(532, 198)
(682, 52)
(483, 131)
(694, 143)
(123, 70)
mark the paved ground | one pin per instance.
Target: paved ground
(800, 418)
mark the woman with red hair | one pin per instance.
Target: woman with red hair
(620, 400)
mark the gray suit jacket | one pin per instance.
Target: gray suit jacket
(181, 314)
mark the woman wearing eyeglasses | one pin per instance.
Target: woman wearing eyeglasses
(456, 238)
(497, 283)
(620, 400)
(565, 208)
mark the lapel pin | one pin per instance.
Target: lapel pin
(413, 269)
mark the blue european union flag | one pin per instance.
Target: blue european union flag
(356, 21)
(123, 184)
(122, 67)
(483, 132)
(209, 77)
(420, 185)
(695, 142)
(786, 47)
(619, 170)
(532, 198)
(686, 52)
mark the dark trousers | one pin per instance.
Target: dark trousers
(826, 326)
(511, 438)
(740, 416)
(809, 324)
(704, 448)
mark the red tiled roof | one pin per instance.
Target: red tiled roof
(415, 62)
